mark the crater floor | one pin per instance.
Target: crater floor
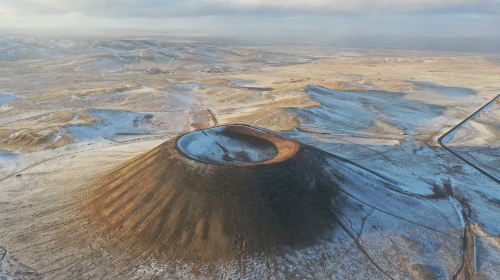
(224, 145)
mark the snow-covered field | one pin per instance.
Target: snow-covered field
(71, 109)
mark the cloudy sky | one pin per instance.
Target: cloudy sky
(270, 18)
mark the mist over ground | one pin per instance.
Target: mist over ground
(445, 25)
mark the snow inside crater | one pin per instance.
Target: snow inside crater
(227, 145)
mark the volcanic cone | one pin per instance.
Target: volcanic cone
(215, 193)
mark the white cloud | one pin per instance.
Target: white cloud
(156, 8)
(455, 17)
(341, 4)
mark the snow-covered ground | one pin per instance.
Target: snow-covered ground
(110, 124)
(5, 98)
(407, 206)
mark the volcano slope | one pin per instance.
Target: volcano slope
(216, 193)
(239, 201)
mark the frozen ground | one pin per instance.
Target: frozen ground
(410, 208)
(110, 124)
(477, 140)
(5, 98)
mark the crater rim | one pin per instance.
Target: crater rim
(261, 146)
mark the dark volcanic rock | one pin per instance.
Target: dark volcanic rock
(178, 207)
